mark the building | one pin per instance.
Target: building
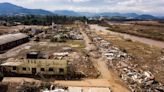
(9, 41)
(35, 66)
(34, 55)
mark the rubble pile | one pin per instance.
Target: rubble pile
(81, 64)
(32, 86)
(76, 35)
(60, 33)
(143, 81)
(28, 87)
(60, 55)
(108, 51)
(25, 86)
(3, 87)
(137, 80)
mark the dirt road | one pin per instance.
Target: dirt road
(76, 83)
(114, 82)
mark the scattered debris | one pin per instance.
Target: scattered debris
(137, 80)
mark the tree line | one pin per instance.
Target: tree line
(41, 20)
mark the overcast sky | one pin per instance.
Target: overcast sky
(155, 7)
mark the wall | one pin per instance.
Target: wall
(56, 65)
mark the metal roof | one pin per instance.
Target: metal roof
(11, 37)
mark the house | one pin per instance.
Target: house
(35, 66)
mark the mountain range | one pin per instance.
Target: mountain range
(106, 14)
(11, 9)
(70, 13)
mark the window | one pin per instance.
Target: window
(14, 68)
(1, 47)
(42, 69)
(24, 69)
(61, 70)
(51, 69)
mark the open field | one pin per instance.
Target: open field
(153, 30)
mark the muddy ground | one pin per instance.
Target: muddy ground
(148, 29)
(143, 56)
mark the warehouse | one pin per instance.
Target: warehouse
(9, 41)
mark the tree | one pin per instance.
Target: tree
(42, 20)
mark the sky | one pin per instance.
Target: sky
(154, 7)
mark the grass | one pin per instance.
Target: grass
(79, 44)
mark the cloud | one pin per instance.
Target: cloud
(155, 7)
(79, 1)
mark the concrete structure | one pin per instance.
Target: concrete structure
(88, 89)
(9, 41)
(36, 66)
(34, 55)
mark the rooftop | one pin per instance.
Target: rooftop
(11, 37)
(11, 64)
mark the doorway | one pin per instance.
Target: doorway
(33, 71)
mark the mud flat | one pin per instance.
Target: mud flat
(148, 41)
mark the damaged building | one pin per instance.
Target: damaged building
(9, 41)
(35, 64)
(35, 67)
